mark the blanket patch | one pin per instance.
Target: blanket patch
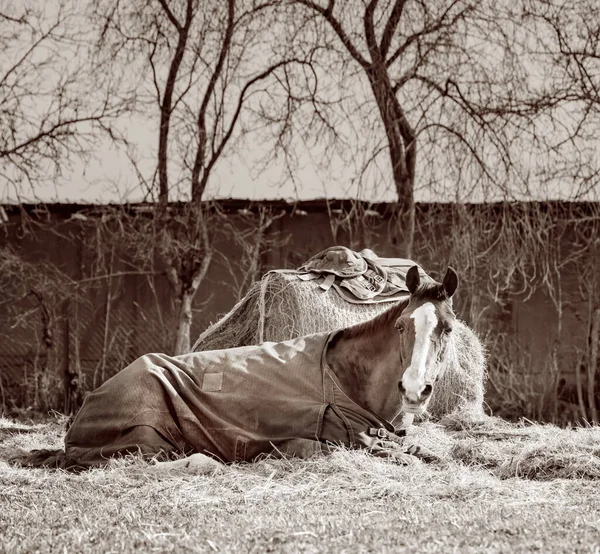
(212, 382)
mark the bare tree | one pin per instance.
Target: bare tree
(459, 90)
(32, 299)
(198, 64)
(567, 36)
(250, 232)
(52, 105)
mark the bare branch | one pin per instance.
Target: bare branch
(391, 26)
(433, 28)
(197, 190)
(172, 17)
(370, 31)
(327, 13)
(166, 105)
(232, 124)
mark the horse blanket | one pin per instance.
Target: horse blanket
(233, 404)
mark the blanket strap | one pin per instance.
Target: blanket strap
(383, 433)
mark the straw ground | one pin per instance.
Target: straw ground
(499, 487)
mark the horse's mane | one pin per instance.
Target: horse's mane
(426, 291)
(383, 321)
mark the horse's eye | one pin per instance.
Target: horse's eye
(447, 330)
(400, 328)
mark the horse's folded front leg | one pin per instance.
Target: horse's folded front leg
(198, 464)
(403, 454)
(393, 452)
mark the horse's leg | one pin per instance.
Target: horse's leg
(403, 453)
(198, 464)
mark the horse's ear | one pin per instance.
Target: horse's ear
(413, 279)
(450, 283)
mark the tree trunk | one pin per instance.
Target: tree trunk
(163, 175)
(43, 376)
(188, 293)
(184, 323)
(72, 396)
(166, 104)
(402, 150)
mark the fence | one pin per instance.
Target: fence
(48, 362)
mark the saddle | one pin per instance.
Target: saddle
(359, 277)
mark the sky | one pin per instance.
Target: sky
(108, 176)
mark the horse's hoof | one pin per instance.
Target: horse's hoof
(204, 468)
(404, 459)
(196, 464)
(422, 453)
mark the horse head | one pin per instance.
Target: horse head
(424, 328)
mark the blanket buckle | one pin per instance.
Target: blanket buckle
(379, 432)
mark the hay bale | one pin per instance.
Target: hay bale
(461, 386)
(281, 307)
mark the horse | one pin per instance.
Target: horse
(280, 307)
(295, 398)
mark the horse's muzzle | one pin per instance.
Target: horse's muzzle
(411, 408)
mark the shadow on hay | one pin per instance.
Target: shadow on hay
(281, 307)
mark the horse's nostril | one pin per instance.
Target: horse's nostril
(401, 388)
(427, 390)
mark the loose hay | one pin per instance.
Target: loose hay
(281, 307)
(503, 449)
(529, 451)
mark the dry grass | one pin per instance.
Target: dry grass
(499, 488)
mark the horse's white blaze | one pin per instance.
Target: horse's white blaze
(414, 376)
